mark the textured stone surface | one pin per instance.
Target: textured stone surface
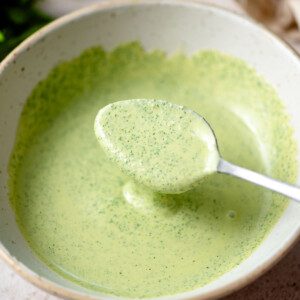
(13, 287)
(282, 282)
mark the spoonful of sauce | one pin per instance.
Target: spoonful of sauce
(168, 148)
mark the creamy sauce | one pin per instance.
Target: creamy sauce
(166, 147)
(90, 223)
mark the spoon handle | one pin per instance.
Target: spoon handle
(285, 189)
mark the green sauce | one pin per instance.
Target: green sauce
(89, 222)
(166, 147)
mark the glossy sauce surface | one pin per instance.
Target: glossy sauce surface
(88, 221)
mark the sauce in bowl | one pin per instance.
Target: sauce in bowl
(93, 225)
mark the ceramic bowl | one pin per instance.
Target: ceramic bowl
(170, 26)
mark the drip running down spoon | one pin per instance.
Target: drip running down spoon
(168, 148)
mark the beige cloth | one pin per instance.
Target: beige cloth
(280, 16)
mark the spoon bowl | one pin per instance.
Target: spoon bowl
(166, 147)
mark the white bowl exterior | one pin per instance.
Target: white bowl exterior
(169, 26)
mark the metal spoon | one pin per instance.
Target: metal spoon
(275, 185)
(130, 114)
(283, 188)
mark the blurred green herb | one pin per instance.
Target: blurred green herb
(18, 19)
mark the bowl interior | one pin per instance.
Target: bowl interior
(165, 25)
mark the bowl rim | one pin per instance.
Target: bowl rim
(60, 291)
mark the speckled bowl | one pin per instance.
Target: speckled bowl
(166, 25)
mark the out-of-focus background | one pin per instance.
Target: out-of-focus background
(20, 18)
